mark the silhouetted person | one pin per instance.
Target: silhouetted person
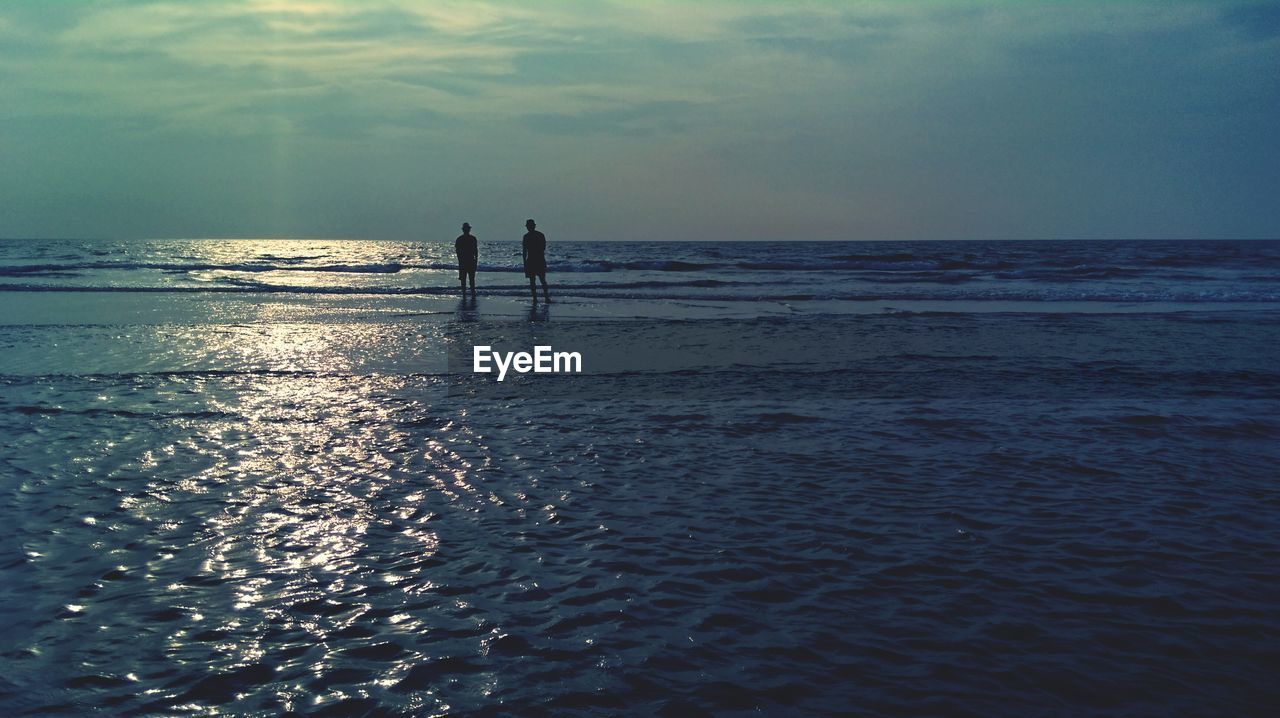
(468, 257)
(535, 259)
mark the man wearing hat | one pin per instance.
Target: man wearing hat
(535, 259)
(468, 257)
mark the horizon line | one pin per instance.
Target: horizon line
(639, 241)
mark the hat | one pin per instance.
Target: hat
(466, 225)
(530, 223)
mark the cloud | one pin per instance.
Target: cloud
(643, 119)
(1257, 20)
(847, 119)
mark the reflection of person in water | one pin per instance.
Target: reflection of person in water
(535, 259)
(468, 257)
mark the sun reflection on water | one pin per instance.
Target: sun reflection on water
(296, 518)
(299, 486)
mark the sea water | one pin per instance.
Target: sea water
(964, 478)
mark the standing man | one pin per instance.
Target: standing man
(468, 257)
(535, 259)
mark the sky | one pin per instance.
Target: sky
(640, 119)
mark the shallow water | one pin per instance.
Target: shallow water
(247, 508)
(950, 271)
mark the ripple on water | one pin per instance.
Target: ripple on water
(324, 545)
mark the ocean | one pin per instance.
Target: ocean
(257, 477)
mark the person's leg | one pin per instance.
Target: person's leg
(545, 294)
(533, 288)
(472, 275)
